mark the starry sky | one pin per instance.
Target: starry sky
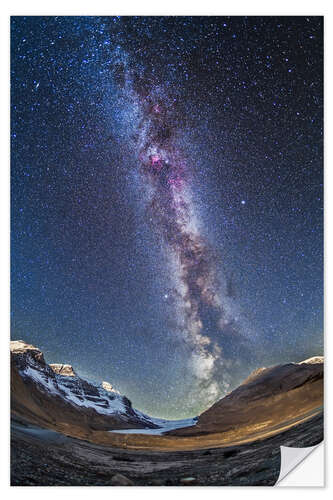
(167, 199)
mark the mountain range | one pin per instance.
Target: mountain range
(54, 396)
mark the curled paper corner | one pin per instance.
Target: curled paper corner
(291, 458)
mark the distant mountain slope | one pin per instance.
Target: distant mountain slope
(54, 396)
(268, 397)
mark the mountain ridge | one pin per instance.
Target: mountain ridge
(267, 397)
(40, 391)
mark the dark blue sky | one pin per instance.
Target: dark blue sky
(91, 279)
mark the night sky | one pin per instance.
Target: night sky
(167, 199)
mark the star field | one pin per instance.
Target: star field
(167, 188)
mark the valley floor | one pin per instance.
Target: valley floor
(45, 458)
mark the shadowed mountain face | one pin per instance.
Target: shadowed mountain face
(54, 396)
(268, 397)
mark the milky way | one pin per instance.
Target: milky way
(170, 206)
(199, 305)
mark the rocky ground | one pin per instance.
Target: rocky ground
(45, 458)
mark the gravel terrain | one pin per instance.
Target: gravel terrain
(45, 458)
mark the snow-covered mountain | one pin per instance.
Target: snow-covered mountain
(55, 394)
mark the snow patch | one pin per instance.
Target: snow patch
(114, 406)
(37, 376)
(114, 401)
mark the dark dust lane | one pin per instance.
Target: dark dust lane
(45, 458)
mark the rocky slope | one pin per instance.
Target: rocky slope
(268, 397)
(55, 396)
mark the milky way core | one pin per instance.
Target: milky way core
(199, 305)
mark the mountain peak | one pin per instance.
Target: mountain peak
(20, 349)
(62, 369)
(313, 361)
(19, 346)
(108, 387)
